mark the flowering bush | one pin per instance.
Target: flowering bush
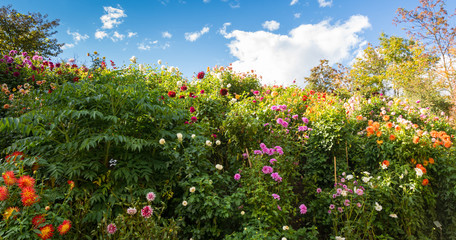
(217, 156)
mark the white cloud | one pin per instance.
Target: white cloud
(112, 17)
(132, 34)
(193, 36)
(143, 46)
(325, 3)
(297, 15)
(283, 58)
(117, 36)
(167, 35)
(67, 45)
(100, 34)
(223, 30)
(271, 25)
(293, 2)
(206, 1)
(77, 37)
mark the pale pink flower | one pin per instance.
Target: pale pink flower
(150, 196)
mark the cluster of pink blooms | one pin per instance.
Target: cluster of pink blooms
(282, 122)
(346, 192)
(303, 209)
(269, 151)
(279, 108)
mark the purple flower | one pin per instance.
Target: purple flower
(340, 209)
(245, 155)
(267, 169)
(285, 124)
(283, 107)
(278, 207)
(305, 120)
(276, 196)
(334, 195)
(237, 176)
(12, 52)
(272, 161)
(302, 128)
(329, 211)
(257, 152)
(347, 202)
(279, 120)
(262, 146)
(274, 108)
(295, 116)
(339, 190)
(302, 209)
(266, 124)
(276, 177)
(256, 92)
(332, 206)
(342, 180)
(318, 190)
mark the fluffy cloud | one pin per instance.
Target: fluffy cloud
(100, 34)
(132, 34)
(117, 36)
(280, 59)
(67, 45)
(77, 37)
(112, 18)
(325, 3)
(293, 2)
(271, 25)
(147, 45)
(167, 35)
(297, 15)
(193, 36)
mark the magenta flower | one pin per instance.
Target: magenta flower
(295, 116)
(280, 121)
(16, 74)
(200, 75)
(257, 152)
(274, 108)
(194, 119)
(192, 109)
(276, 196)
(245, 155)
(256, 92)
(359, 191)
(305, 120)
(340, 209)
(332, 206)
(276, 177)
(147, 211)
(358, 204)
(267, 170)
(150, 196)
(278, 207)
(303, 209)
(202, 91)
(318, 190)
(302, 128)
(112, 228)
(347, 202)
(272, 161)
(237, 176)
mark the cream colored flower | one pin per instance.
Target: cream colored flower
(162, 141)
(219, 167)
(184, 203)
(285, 228)
(192, 189)
(218, 142)
(133, 59)
(179, 137)
(208, 143)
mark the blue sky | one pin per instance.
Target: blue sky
(281, 39)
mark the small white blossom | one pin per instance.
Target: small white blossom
(393, 215)
(163, 67)
(159, 61)
(179, 83)
(162, 141)
(378, 207)
(367, 173)
(228, 86)
(208, 143)
(366, 179)
(340, 238)
(401, 176)
(179, 137)
(419, 172)
(343, 193)
(218, 142)
(133, 59)
(349, 177)
(242, 212)
(193, 135)
(285, 228)
(192, 189)
(184, 203)
(219, 167)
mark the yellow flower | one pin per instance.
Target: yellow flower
(379, 142)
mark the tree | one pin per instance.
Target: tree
(30, 32)
(324, 78)
(430, 23)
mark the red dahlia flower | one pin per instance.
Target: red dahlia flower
(200, 75)
(46, 232)
(64, 227)
(223, 91)
(171, 94)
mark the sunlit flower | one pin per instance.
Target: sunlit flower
(192, 189)
(9, 178)
(208, 143)
(285, 228)
(242, 212)
(37, 220)
(184, 203)
(276, 177)
(237, 176)
(267, 169)
(46, 232)
(133, 59)
(200, 75)
(131, 211)
(179, 137)
(393, 215)
(218, 142)
(112, 228)
(276, 196)
(302, 209)
(378, 207)
(339, 238)
(64, 227)
(162, 141)
(419, 172)
(147, 211)
(150, 196)
(26, 181)
(425, 182)
(219, 167)
(3, 193)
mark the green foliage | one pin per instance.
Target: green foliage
(29, 33)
